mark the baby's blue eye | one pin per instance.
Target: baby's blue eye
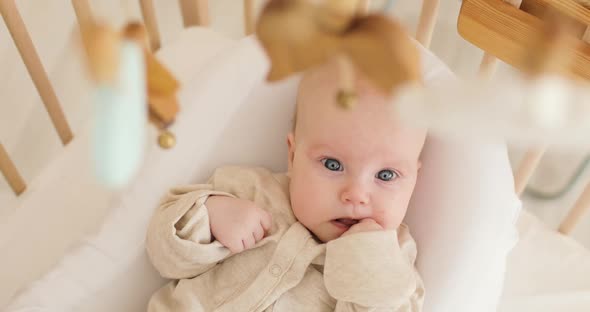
(332, 164)
(386, 175)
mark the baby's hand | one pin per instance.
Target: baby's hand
(366, 225)
(237, 224)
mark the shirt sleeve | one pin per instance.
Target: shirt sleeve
(374, 271)
(179, 241)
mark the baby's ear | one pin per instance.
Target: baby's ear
(291, 145)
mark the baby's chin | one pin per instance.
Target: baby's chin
(319, 235)
(323, 239)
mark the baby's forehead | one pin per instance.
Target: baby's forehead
(317, 100)
(319, 86)
(319, 112)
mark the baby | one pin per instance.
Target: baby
(326, 236)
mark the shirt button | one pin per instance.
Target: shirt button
(275, 270)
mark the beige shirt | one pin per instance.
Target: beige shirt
(286, 271)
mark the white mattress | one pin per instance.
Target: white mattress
(546, 271)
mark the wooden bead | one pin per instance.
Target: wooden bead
(166, 140)
(346, 98)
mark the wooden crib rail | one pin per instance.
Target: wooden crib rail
(28, 53)
(506, 32)
(569, 8)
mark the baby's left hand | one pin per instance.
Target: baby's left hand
(366, 225)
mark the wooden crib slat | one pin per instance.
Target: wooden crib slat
(195, 12)
(575, 215)
(27, 51)
(9, 171)
(83, 11)
(364, 7)
(488, 66)
(249, 17)
(151, 24)
(427, 22)
(526, 168)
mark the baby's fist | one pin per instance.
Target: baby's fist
(237, 224)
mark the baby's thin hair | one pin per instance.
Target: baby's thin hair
(294, 120)
(306, 77)
(297, 99)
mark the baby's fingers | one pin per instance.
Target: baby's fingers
(248, 241)
(258, 233)
(369, 224)
(366, 225)
(236, 246)
(266, 221)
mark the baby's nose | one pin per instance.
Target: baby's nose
(355, 194)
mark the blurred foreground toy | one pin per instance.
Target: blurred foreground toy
(126, 77)
(300, 34)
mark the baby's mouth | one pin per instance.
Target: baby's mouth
(344, 223)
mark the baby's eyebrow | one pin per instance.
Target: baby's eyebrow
(403, 165)
(320, 147)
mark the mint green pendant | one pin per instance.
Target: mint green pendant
(120, 120)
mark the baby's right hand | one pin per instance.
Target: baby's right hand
(237, 224)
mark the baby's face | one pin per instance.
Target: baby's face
(348, 165)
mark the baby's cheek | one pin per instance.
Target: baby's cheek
(389, 222)
(391, 217)
(315, 196)
(300, 200)
(306, 206)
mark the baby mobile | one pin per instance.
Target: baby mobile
(130, 87)
(300, 34)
